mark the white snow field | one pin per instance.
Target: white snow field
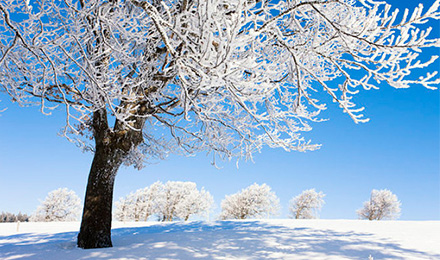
(252, 239)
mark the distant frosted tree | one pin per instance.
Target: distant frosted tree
(140, 205)
(196, 203)
(253, 201)
(383, 204)
(306, 205)
(22, 217)
(168, 201)
(7, 217)
(122, 211)
(60, 205)
(182, 200)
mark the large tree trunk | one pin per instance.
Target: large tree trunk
(95, 229)
(111, 147)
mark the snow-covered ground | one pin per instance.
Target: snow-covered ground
(259, 239)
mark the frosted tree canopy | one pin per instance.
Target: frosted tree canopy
(221, 76)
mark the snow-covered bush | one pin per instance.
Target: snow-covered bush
(253, 201)
(168, 201)
(306, 205)
(60, 205)
(383, 204)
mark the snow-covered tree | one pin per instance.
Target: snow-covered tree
(168, 201)
(140, 205)
(307, 204)
(123, 209)
(60, 205)
(197, 203)
(226, 77)
(182, 200)
(251, 202)
(7, 217)
(383, 204)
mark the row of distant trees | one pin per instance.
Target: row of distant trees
(176, 200)
(259, 201)
(10, 217)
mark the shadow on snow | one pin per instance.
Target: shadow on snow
(215, 240)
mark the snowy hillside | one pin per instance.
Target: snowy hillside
(262, 239)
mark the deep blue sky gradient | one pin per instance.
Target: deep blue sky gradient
(398, 150)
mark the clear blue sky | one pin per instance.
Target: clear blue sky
(398, 150)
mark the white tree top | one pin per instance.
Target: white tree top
(222, 76)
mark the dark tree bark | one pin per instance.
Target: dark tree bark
(111, 148)
(95, 229)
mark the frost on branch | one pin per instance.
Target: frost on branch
(307, 204)
(383, 204)
(225, 77)
(60, 205)
(254, 201)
